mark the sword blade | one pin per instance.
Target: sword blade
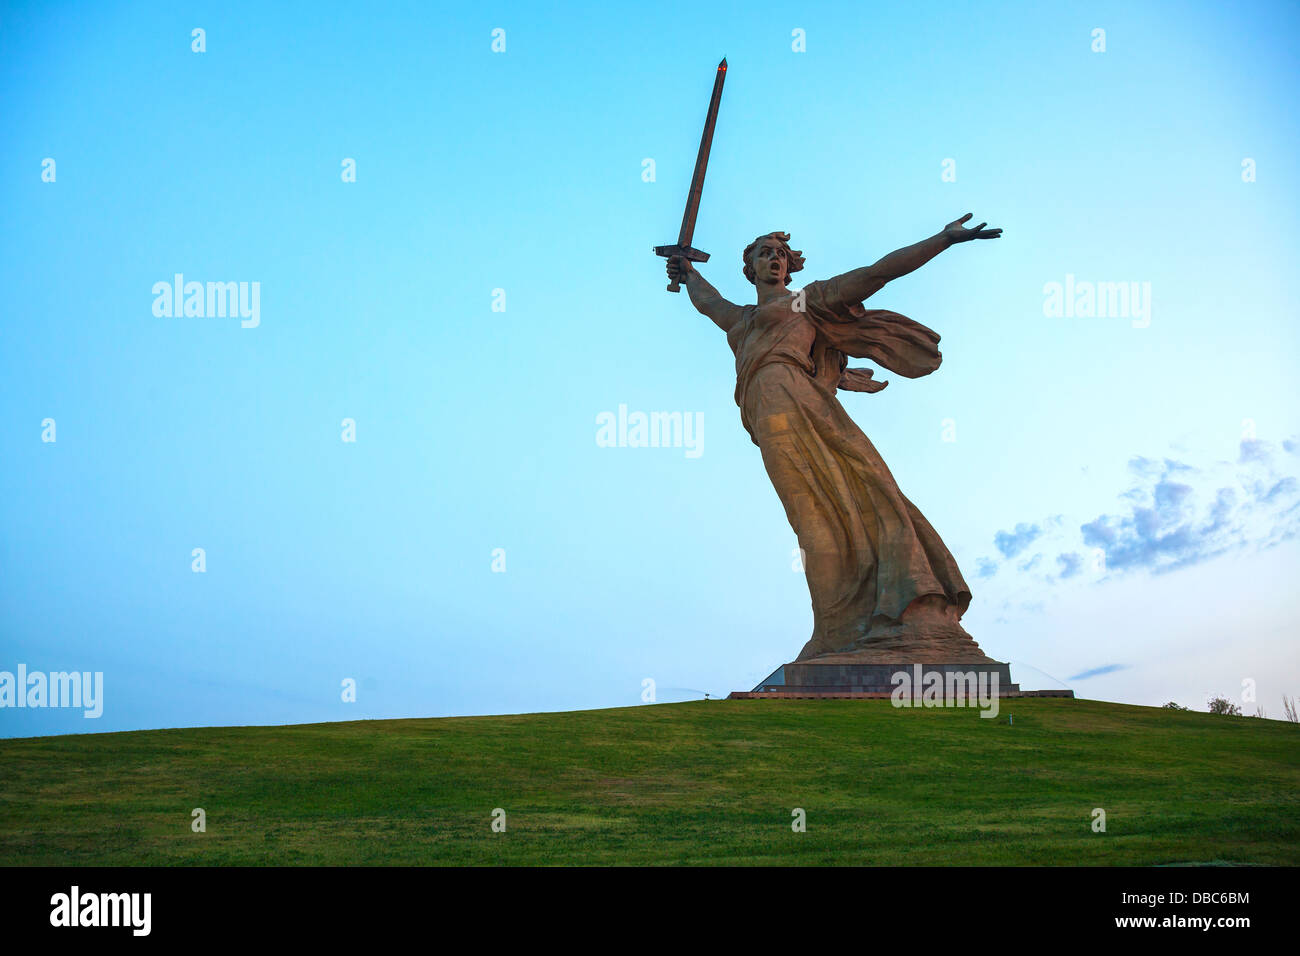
(702, 160)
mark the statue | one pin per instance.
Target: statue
(884, 587)
(887, 596)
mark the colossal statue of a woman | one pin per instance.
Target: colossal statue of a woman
(884, 587)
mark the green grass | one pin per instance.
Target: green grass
(701, 783)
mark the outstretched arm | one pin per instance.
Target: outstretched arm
(704, 297)
(860, 283)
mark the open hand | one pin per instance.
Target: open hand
(956, 233)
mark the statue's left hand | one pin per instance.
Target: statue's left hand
(957, 233)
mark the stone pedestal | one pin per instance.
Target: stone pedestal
(848, 675)
(830, 676)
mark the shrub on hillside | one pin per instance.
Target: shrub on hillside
(1221, 705)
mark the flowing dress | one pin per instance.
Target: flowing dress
(881, 580)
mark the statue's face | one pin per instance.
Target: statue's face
(770, 263)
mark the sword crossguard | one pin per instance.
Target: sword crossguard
(686, 252)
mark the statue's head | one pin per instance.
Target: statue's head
(769, 259)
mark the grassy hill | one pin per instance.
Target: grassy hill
(700, 783)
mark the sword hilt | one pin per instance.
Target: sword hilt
(686, 252)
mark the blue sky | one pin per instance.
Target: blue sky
(476, 429)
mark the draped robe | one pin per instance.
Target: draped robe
(883, 585)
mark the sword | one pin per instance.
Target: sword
(683, 247)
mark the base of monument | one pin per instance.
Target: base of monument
(871, 695)
(831, 678)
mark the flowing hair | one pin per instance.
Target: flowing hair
(793, 257)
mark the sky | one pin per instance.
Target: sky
(1119, 487)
